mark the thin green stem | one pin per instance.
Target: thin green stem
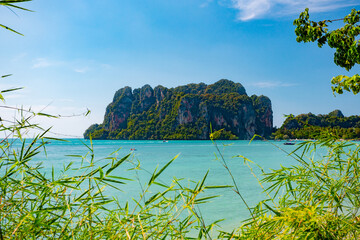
(237, 191)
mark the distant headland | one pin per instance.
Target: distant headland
(185, 112)
(311, 126)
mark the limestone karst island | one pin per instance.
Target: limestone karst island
(185, 112)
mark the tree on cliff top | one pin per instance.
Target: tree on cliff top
(344, 40)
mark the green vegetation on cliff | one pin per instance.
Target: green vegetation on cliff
(310, 126)
(185, 112)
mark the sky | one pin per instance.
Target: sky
(75, 55)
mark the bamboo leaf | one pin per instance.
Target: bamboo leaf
(21, 8)
(271, 209)
(157, 174)
(203, 181)
(117, 164)
(46, 115)
(10, 29)
(204, 199)
(220, 186)
(10, 90)
(8, 75)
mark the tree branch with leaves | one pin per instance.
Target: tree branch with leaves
(345, 40)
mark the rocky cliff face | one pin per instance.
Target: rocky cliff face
(264, 113)
(119, 110)
(185, 112)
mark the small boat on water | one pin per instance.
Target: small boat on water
(289, 143)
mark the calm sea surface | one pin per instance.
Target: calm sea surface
(194, 160)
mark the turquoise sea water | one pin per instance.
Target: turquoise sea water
(194, 160)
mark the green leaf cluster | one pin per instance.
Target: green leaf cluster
(316, 198)
(73, 203)
(344, 40)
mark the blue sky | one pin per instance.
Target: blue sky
(76, 54)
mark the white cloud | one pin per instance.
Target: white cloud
(82, 70)
(252, 9)
(42, 63)
(19, 57)
(268, 84)
(206, 3)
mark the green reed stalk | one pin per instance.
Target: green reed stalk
(237, 191)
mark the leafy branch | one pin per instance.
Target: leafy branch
(344, 40)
